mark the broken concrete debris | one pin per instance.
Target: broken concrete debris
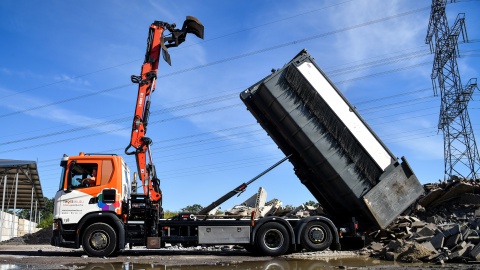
(443, 226)
(258, 205)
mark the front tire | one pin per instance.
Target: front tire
(99, 240)
(272, 239)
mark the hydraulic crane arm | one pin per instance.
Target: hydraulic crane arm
(156, 43)
(238, 190)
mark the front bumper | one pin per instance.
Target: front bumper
(62, 237)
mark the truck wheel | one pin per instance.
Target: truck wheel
(316, 236)
(272, 239)
(99, 240)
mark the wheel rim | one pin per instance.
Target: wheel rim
(316, 235)
(99, 240)
(273, 239)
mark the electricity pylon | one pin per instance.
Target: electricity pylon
(460, 150)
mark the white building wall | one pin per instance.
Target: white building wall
(21, 226)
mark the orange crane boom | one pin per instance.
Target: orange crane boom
(156, 43)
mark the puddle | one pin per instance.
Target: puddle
(274, 264)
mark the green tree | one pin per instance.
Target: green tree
(46, 221)
(169, 214)
(312, 203)
(192, 208)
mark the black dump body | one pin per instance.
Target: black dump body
(335, 154)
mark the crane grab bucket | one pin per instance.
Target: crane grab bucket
(190, 25)
(194, 26)
(177, 36)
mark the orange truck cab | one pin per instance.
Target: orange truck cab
(80, 204)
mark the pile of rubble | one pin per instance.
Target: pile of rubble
(443, 226)
(41, 237)
(258, 205)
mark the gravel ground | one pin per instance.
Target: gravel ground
(48, 257)
(33, 251)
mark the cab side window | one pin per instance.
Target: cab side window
(84, 175)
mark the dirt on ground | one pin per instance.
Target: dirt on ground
(49, 257)
(41, 237)
(34, 251)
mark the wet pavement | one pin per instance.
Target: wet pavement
(47, 257)
(273, 264)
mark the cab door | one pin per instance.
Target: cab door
(77, 198)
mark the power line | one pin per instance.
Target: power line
(180, 48)
(394, 96)
(380, 62)
(232, 58)
(183, 107)
(119, 129)
(194, 104)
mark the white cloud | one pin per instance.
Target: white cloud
(6, 71)
(55, 113)
(382, 33)
(71, 79)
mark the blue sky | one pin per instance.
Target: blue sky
(65, 84)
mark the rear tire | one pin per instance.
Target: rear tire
(99, 240)
(272, 239)
(316, 236)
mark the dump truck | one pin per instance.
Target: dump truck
(361, 185)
